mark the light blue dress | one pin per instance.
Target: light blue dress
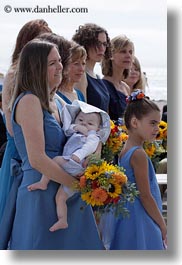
(67, 100)
(139, 231)
(6, 178)
(36, 210)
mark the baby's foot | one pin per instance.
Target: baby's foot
(60, 224)
(37, 186)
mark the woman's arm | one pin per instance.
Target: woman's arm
(29, 116)
(140, 165)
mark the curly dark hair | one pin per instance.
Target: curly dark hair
(87, 36)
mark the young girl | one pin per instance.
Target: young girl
(145, 229)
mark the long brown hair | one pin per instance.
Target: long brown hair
(28, 32)
(32, 72)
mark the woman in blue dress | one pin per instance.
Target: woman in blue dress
(73, 71)
(114, 70)
(96, 41)
(73, 58)
(38, 138)
(29, 31)
(145, 229)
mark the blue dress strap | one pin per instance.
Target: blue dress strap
(80, 95)
(67, 100)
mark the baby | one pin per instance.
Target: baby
(83, 141)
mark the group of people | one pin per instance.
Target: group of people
(57, 112)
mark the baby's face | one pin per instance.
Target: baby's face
(90, 120)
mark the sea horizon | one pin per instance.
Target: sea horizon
(156, 78)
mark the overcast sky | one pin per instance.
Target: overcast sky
(144, 22)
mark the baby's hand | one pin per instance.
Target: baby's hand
(82, 129)
(75, 158)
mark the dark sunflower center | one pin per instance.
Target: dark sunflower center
(111, 188)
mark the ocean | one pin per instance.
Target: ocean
(157, 82)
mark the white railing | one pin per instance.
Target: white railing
(161, 178)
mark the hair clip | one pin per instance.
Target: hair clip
(135, 95)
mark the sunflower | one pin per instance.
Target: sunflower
(105, 186)
(150, 149)
(112, 124)
(87, 198)
(114, 189)
(162, 134)
(92, 172)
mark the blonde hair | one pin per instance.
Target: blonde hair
(117, 44)
(140, 84)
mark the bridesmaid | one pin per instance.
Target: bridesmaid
(28, 32)
(96, 41)
(73, 57)
(115, 69)
(72, 74)
(39, 137)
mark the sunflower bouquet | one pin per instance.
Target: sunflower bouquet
(105, 187)
(157, 150)
(115, 141)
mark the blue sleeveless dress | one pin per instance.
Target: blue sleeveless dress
(97, 93)
(6, 179)
(139, 231)
(36, 211)
(117, 103)
(79, 95)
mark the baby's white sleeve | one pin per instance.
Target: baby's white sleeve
(89, 147)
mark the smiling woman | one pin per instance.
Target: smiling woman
(39, 137)
(54, 68)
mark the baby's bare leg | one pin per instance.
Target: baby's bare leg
(40, 185)
(61, 208)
